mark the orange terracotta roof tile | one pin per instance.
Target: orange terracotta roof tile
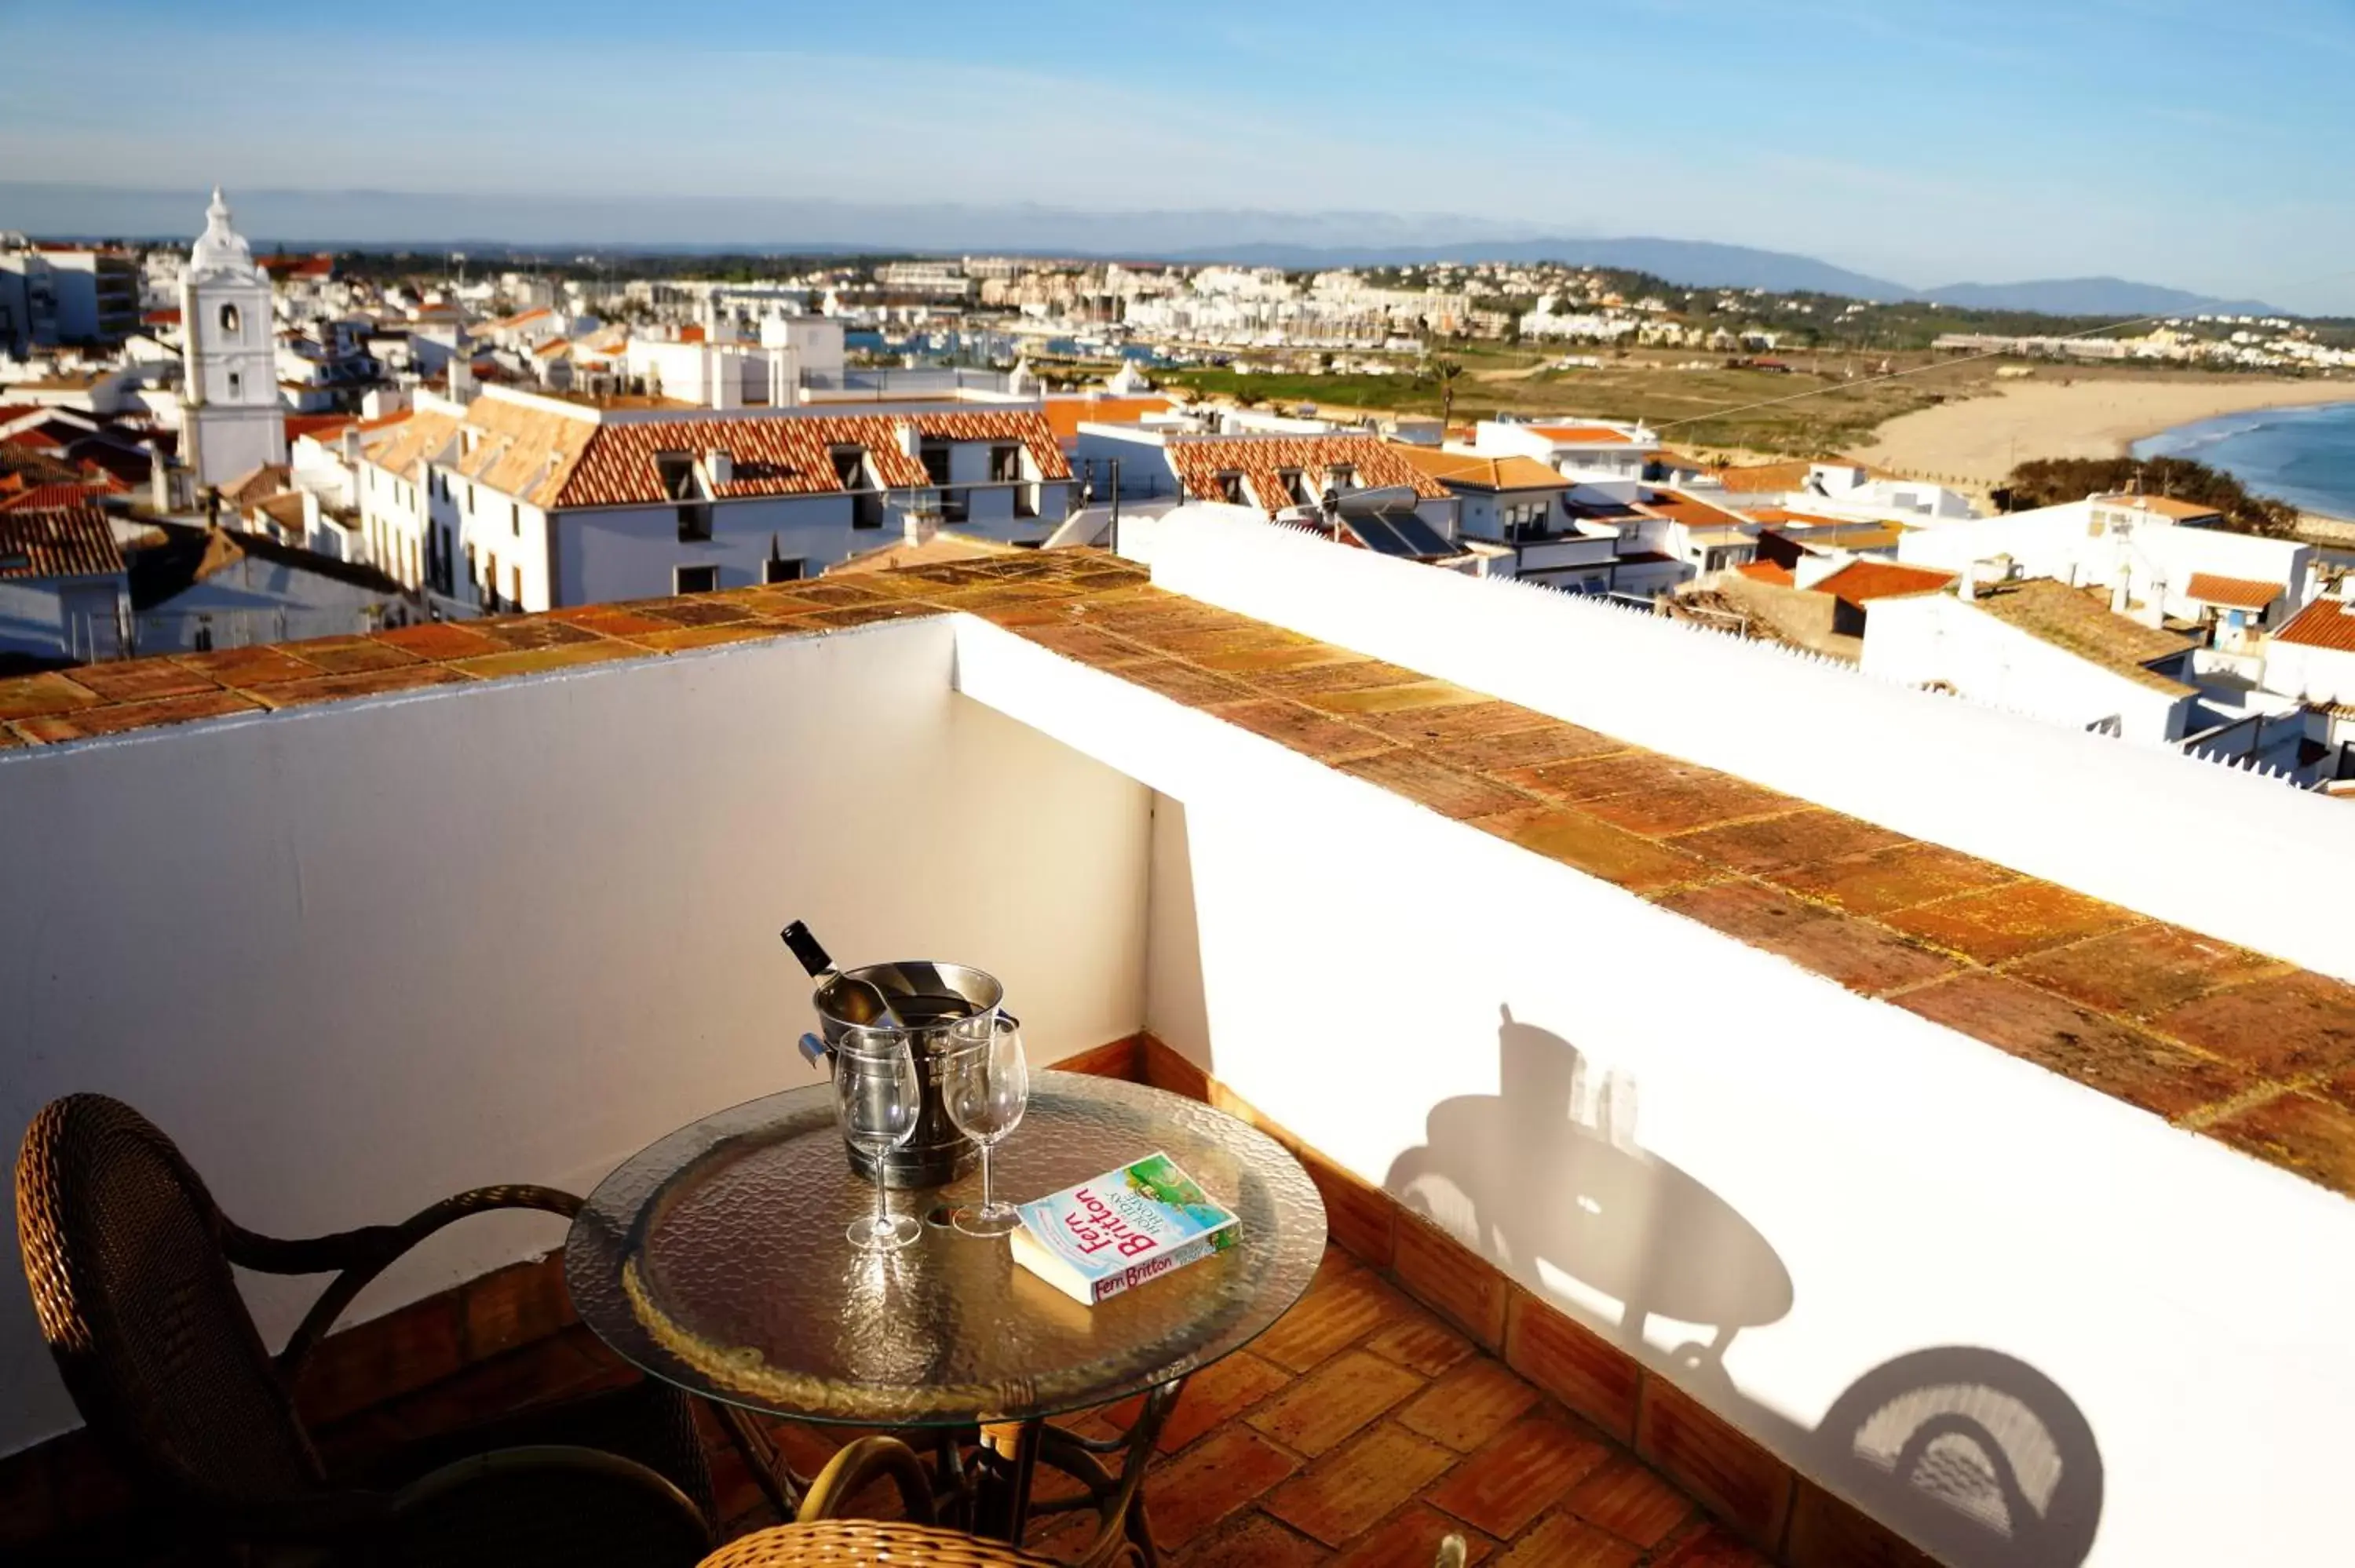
(1263, 460)
(2242, 593)
(1584, 435)
(1767, 572)
(72, 540)
(1860, 582)
(2163, 505)
(2325, 623)
(1066, 414)
(1481, 472)
(1678, 507)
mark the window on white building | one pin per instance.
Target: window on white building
(230, 320)
(695, 579)
(236, 383)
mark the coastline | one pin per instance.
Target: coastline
(1977, 440)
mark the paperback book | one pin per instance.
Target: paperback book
(1115, 1232)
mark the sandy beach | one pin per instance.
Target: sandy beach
(1978, 439)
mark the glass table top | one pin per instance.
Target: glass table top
(716, 1259)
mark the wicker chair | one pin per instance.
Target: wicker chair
(855, 1542)
(129, 1262)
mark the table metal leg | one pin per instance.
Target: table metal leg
(1122, 1527)
(779, 1486)
(1008, 1460)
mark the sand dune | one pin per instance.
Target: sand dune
(1978, 439)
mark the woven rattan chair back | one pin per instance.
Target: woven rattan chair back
(122, 1248)
(855, 1542)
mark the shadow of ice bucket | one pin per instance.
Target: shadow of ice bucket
(944, 1008)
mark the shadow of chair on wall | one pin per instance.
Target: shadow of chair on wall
(1973, 1455)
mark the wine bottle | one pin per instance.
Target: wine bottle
(852, 1001)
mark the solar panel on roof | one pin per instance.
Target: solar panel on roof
(1375, 533)
(1420, 535)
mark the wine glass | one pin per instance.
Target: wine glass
(878, 1097)
(986, 1084)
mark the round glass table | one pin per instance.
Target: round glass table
(715, 1259)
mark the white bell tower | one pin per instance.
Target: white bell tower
(230, 420)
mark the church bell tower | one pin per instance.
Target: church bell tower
(230, 420)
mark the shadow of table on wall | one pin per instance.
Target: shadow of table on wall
(1971, 1454)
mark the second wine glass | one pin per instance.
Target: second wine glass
(986, 1084)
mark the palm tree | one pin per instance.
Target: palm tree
(1445, 371)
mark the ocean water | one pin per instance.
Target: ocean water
(2304, 456)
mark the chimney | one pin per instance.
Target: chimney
(2119, 595)
(719, 467)
(1967, 588)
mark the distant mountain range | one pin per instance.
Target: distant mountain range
(563, 226)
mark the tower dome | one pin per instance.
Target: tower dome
(220, 248)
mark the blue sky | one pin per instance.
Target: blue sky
(2172, 141)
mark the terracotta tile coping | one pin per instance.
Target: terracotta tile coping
(2230, 1044)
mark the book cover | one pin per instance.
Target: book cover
(1115, 1231)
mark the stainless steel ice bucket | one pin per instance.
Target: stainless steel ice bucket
(941, 1007)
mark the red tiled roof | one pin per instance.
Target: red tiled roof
(1261, 460)
(161, 318)
(691, 335)
(2325, 623)
(1473, 473)
(1584, 435)
(1678, 507)
(1767, 572)
(319, 426)
(2240, 593)
(43, 497)
(2165, 505)
(71, 540)
(786, 456)
(1860, 582)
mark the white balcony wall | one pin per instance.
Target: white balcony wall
(357, 957)
(1834, 1221)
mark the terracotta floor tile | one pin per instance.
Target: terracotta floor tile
(254, 666)
(612, 620)
(1415, 697)
(1585, 778)
(1409, 1539)
(1321, 1411)
(1525, 1471)
(354, 655)
(1594, 847)
(371, 683)
(1304, 729)
(1190, 1493)
(1483, 718)
(1550, 741)
(1799, 838)
(1088, 644)
(1469, 1405)
(709, 610)
(1182, 683)
(1445, 790)
(1254, 1541)
(1631, 1502)
(1709, 1546)
(1679, 808)
(2104, 1053)
(1416, 1340)
(1327, 1320)
(25, 697)
(1889, 879)
(1711, 1462)
(1562, 1540)
(850, 615)
(143, 680)
(539, 660)
(114, 719)
(533, 631)
(1346, 675)
(1246, 662)
(2141, 971)
(2011, 922)
(2297, 1133)
(1256, 637)
(680, 638)
(1352, 1489)
(1218, 1393)
(1853, 952)
(1578, 1366)
(2292, 1023)
(439, 640)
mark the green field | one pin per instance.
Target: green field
(1691, 409)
